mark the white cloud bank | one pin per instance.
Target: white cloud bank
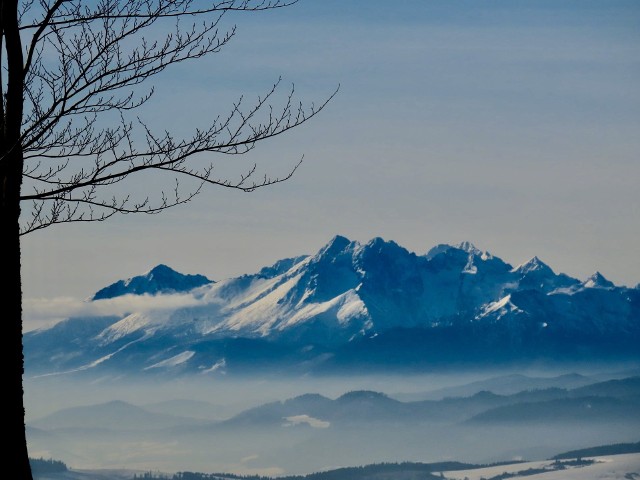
(44, 312)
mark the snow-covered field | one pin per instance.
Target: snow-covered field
(611, 467)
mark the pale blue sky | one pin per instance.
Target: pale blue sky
(511, 124)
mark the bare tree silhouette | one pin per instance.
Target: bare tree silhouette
(73, 77)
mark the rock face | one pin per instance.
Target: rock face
(353, 305)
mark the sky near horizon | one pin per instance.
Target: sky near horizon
(510, 124)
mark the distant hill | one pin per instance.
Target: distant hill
(613, 400)
(615, 449)
(501, 385)
(621, 388)
(578, 410)
(114, 415)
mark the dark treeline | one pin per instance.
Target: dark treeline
(408, 470)
(615, 449)
(197, 476)
(40, 465)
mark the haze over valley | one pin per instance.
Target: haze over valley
(359, 354)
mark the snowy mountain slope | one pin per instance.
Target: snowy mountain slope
(351, 302)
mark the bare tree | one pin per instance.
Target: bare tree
(73, 77)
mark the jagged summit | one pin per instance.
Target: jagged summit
(281, 266)
(338, 241)
(464, 246)
(160, 279)
(597, 280)
(377, 242)
(537, 275)
(334, 247)
(533, 265)
(379, 245)
(468, 247)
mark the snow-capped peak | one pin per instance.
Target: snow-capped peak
(533, 265)
(597, 280)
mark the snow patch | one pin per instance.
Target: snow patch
(220, 364)
(173, 361)
(470, 268)
(501, 307)
(352, 307)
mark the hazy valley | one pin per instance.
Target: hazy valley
(359, 354)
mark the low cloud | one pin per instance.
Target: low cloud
(44, 312)
(305, 419)
(249, 458)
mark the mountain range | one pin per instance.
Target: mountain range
(613, 400)
(311, 431)
(351, 306)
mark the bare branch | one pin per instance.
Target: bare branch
(163, 153)
(85, 73)
(165, 9)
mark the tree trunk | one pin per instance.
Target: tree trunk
(11, 162)
(13, 363)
